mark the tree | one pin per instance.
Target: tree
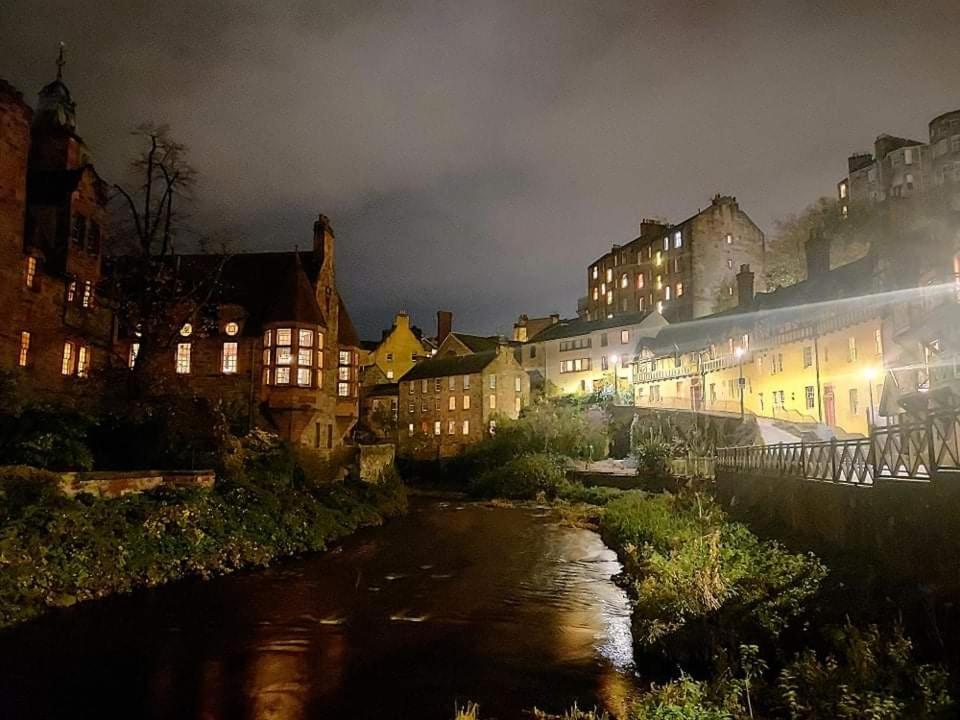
(153, 296)
(786, 264)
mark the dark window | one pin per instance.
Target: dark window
(93, 238)
(79, 230)
(533, 351)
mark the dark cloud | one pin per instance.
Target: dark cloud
(477, 156)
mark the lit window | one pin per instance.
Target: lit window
(282, 376)
(436, 384)
(666, 243)
(493, 402)
(595, 272)
(183, 358)
(389, 374)
(610, 297)
(451, 427)
(517, 384)
(319, 340)
(678, 239)
(603, 288)
(466, 427)
(265, 376)
(609, 275)
(229, 362)
(87, 300)
(667, 292)
(659, 258)
(436, 427)
(345, 357)
(624, 280)
(132, 357)
(284, 356)
(466, 402)
(466, 382)
(424, 385)
(343, 389)
(306, 338)
(679, 289)
(516, 404)
(24, 348)
(66, 366)
(640, 304)
(640, 281)
(266, 356)
(343, 373)
(305, 356)
(31, 272)
(284, 336)
(83, 361)
(878, 340)
(660, 306)
(452, 402)
(186, 330)
(659, 282)
(843, 191)
(729, 239)
(304, 376)
(71, 291)
(493, 382)
(410, 429)
(232, 329)
(596, 293)
(268, 338)
(624, 337)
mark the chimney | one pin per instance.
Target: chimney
(444, 325)
(554, 318)
(817, 250)
(401, 320)
(745, 287)
(322, 240)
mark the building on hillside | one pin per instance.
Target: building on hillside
(683, 271)
(53, 225)
(452, 401)
(274, 343)
(585, 356)
(903, 168)
(398, 351)
(527, 327)
(811, 352)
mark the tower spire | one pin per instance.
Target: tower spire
(60, 61)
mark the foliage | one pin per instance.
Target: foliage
(653, 456)
(699, 580)
(683, 699)
(522, 478)
(868, 674)
(46, 436)
(55, 550)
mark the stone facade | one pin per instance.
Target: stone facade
(683, 271)
(399, 351)
(453, 401)
(53, 221)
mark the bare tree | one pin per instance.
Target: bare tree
(153, 294)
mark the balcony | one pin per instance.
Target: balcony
(673, 373)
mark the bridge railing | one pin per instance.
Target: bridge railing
(921, 451)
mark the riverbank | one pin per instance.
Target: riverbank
(56, 551)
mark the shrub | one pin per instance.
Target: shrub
(522, 478)
(46, 437)
(653, 457)
(23, 489)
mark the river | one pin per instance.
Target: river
(453, 602)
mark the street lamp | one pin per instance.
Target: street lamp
(738, 353)
(870, 374)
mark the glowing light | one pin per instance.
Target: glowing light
(870, 374)
(614, 359)
(738, 352)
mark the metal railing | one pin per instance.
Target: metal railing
(921, 451)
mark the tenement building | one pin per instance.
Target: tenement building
(577, 356)
(903, 168)
(53, 219)
(452, 401)
(683, 271)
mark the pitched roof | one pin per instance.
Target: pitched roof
(477, 343)
(381, 389)
(450, 365)
(346, 332)
(293, 297)
(577, 326)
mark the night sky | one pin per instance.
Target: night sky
(477, 155)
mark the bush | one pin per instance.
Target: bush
(522, 478)
(701, 583)
(24, 488)
(46, 437)
(653, 459)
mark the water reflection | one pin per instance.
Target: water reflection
(454, 602)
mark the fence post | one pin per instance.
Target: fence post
(833, 458)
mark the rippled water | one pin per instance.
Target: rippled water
(453, 602)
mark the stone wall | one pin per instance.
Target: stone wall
(115, 484)
(909, 530)
(374, 460)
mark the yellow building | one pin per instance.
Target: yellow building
(813, 352)
(399, 350)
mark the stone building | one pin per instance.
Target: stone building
(53, 219)
(904, 168)
(683, 271)
(398, 351)
(527, 327)
(577, 356)
(274, 344)
(452, 401)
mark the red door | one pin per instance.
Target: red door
(829, 406)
